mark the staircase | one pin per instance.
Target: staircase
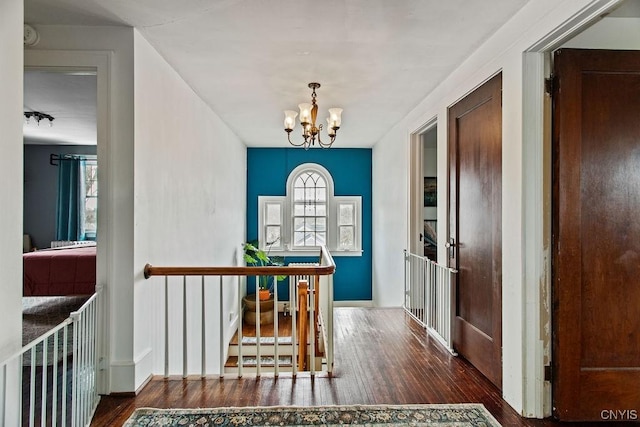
(267, 349)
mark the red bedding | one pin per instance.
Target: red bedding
(58, 272)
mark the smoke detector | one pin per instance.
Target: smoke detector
(31, 36)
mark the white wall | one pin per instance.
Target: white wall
(190, 203)
(11, 183)
(11, 18)
(609, 33)
(501, 52)
(115, 164)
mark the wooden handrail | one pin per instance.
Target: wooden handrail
(321, 270)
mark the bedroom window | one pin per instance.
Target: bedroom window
(90, 217)
(77, 199)
(310, 216)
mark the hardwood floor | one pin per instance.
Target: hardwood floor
(382, 357)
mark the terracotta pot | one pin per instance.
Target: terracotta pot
(264, 294)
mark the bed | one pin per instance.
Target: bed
(60, 271)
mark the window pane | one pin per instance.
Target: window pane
(320, 182)
(310, 225)
(310, 194)
(273, 235)
(321, 209)
(321, 194)
(298, 224)
(298, 209)
(90, 214)
(310, 210)
(321, 224)
(347, 239)
(345, 215)
(298, 238)
(298, 194)
(321, 239)
(310, 239)
(273, 214)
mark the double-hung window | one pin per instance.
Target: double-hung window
(310, 216)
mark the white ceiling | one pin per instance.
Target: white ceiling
(70, 98)
(252, 59)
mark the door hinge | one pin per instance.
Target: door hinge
(548, 373)
(549, 85)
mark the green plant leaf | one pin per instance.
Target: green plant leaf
(249, 259)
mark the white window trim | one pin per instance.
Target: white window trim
(285, 248)
(263, 201)
(356, 201)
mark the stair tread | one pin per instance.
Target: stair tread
(266, 340)
(265, 361)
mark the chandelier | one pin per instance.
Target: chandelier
(37, 116)
(311, 131)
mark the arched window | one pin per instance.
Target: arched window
(309, 210)
(310, 215)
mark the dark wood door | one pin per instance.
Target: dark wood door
(596, 235)
(475, 209)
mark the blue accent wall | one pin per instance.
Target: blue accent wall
(267, 173)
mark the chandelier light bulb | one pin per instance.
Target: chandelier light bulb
(305, 113)
(289, 120)
(330, 130)
(335, 114)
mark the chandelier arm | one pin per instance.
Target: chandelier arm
(302, 144)
(327, 145)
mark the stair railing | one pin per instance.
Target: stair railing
(323, 270)
(52, 380)
(303, 328)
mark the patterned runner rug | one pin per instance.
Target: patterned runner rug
(460, 415)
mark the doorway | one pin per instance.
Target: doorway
(99, 64)
(475, 224)
(429, 142)
(67, 100)
(423, 190)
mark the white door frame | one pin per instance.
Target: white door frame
(536, 208)
(101, 62)
(416, 187)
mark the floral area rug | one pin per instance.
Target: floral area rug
(379, 415)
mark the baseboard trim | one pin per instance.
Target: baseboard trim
(354, 303)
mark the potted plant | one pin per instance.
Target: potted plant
(255, 256)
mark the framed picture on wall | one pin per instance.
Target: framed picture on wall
(430, 191)
(430, 236)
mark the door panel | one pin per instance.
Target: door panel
(596, 221)
(475, 163)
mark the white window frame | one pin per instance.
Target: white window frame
(285, 246)
(263, 201)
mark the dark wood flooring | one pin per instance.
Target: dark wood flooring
(382, 356)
